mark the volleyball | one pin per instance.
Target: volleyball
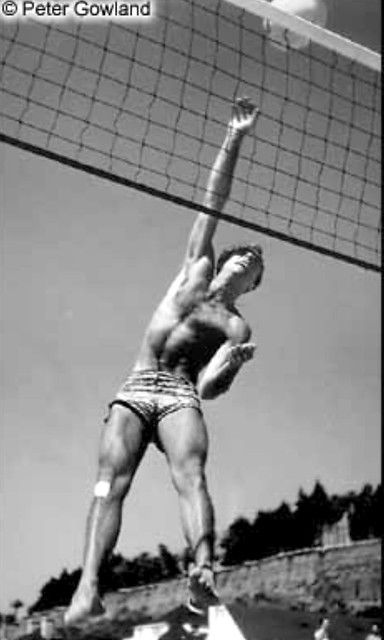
(312, 10)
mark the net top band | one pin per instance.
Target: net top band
(317, 34)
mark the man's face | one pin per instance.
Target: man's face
(245, 270)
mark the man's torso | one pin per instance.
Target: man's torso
(188, 326)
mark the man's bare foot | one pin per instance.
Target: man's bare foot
(202, 590)
(85, 603)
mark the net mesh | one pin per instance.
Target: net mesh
(148, 103)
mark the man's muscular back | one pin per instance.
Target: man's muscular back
(189, 325)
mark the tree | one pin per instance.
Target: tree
(169, 563)
(312, 512)
(272, 532)
(320, 504)
(303, 521)
(238, 542)
(283, 525)
(57, 591)
(362, 517)
(377, 512)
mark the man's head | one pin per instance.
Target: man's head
(244, 266)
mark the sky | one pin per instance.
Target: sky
(83, 264)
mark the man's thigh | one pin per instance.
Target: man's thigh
(124, 440)
(183, 436)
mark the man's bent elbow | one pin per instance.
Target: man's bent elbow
(212, 391)
(208, 394)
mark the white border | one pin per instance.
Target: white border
(318, 34)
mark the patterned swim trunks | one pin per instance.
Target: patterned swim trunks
(152, 395)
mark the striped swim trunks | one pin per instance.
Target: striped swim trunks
(152, 395)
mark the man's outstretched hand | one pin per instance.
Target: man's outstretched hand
(240, 353)
(244, 116)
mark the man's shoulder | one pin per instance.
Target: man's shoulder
(203, 267)
(190, 278)
(197, 274)
(204, 262)
(238, 328)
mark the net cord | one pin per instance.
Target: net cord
(184, 203)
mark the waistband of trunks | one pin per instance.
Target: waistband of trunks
(148, 379)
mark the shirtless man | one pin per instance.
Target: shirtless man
(195, 330)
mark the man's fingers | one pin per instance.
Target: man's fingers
(249, 347)
(236, 110)
(236, 355)
(248, 351)
(243, 102)
(245, 106)
(242, 352)
(244, 346)
(244, 115)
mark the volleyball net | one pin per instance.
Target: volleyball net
(146, 104)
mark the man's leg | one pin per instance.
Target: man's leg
(122, 446)
(183, 436)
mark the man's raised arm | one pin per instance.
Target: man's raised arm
(220, 180)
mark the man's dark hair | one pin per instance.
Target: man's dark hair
(240, 250)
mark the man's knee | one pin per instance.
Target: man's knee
(111, 486)
(113, 480)
(189, 477)
(115, 469)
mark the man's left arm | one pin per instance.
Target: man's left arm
(223, 368)
(226, 363)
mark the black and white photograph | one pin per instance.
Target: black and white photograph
(190, 224)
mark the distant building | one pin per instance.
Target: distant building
(8, 630)
(336, 534)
